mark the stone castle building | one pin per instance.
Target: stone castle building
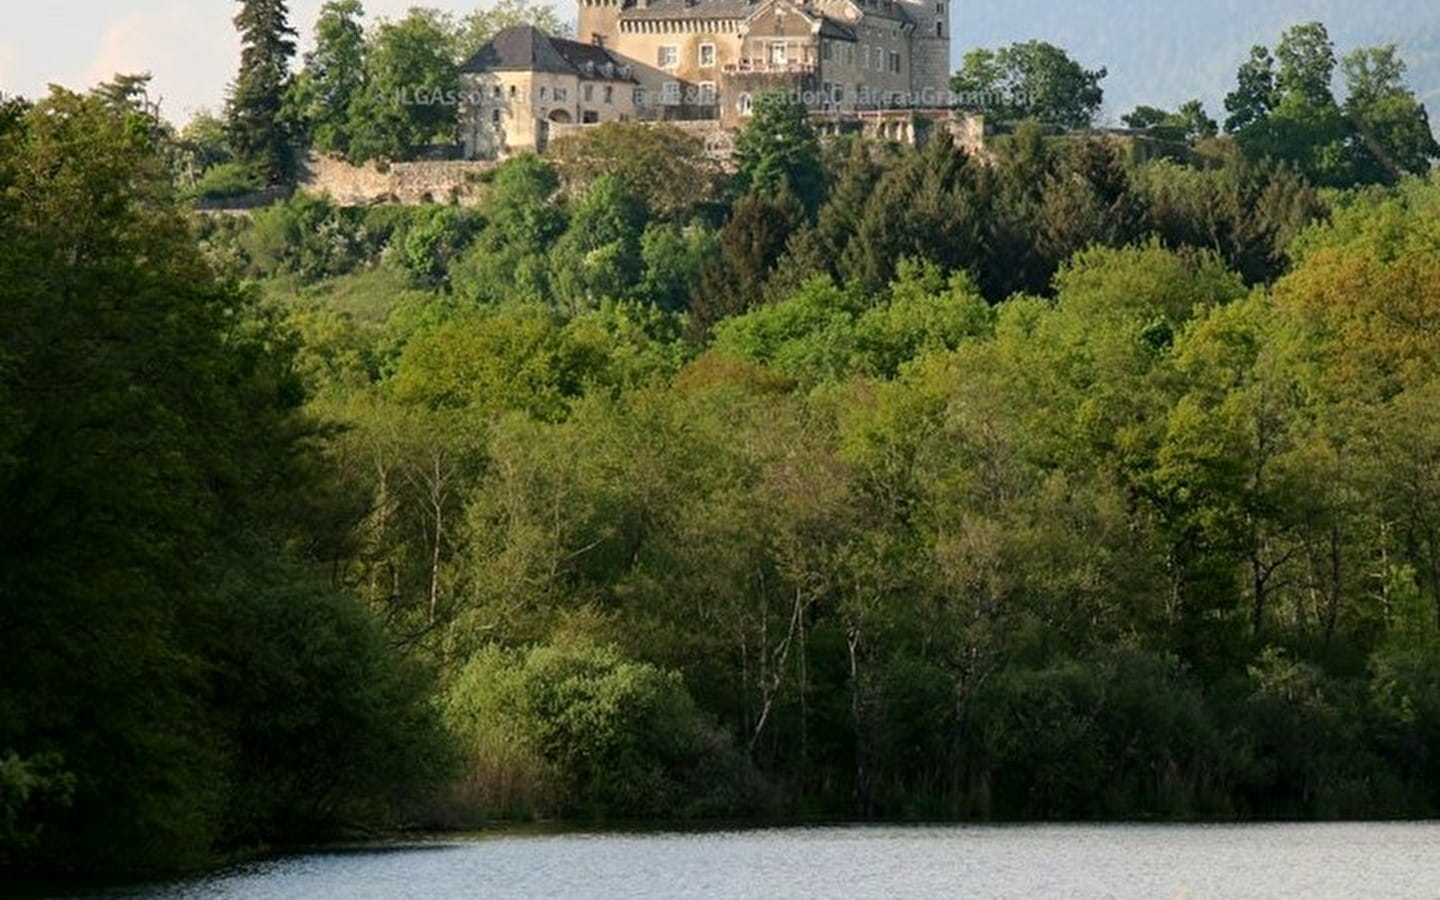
(705, 61)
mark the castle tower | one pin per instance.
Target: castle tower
(599, 22)
(930, 50)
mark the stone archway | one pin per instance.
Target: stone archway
(560, 116)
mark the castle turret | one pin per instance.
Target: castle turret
(930, 50)
(599, 21)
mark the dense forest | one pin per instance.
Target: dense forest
(861, 481)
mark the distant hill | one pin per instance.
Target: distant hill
(1163, 53)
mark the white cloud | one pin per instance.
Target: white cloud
(190, 51)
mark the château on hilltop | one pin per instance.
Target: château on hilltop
(879, 66)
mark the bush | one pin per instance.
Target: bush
(224, 182)
(579, 729)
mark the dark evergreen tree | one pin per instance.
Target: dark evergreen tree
(932, 205)
(255, 120)
(749, 245)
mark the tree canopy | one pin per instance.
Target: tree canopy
(1283, 108)
(1030, 80)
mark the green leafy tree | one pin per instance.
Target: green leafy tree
(411, 77)
(509, 259)
(1284, 109)
(1393, 127)
(1305, 64)
(673, 259)
(778, 150)
(158, 577)
(324, 92)
(1194, 122)
(1190, 122)
(1031, 80)
(475, 28)
(1145, 117)
(658, 164)
(254, 112)
(1254, 94)
(598, 257)
(204, 139)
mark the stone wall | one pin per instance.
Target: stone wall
(429, 181)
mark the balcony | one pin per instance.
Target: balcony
(759, 67)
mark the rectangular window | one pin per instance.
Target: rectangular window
(609, 93)
(560, 93)
(588, 92)
(825, 49)
(496, 92)
(512, 92)
(707, 93)
(668, 57)
(849, 55)
(879, 58)
(707, 55)
(894, 61)
(777, 53)
(865, 57)
(542, 92)
(639, 96)
(670, 93)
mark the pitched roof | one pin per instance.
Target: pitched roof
(743, 9)
(833, 28)
(528, 49)
(518, 47)
(691, 9)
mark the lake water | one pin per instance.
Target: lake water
(1073, 861)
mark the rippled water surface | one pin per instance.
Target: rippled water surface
(1117, 861)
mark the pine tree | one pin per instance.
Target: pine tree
(749, 245)
(256, 126)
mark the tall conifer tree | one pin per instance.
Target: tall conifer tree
(257, 128)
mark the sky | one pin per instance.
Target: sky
(190, 46)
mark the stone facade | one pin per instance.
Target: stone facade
(407, 182)
(706, 60)
(523, 82)
(864, 54)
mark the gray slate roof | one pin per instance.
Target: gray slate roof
(526, 48)
(698, 9)
(833, 28)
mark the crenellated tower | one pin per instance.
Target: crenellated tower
(599, 21)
